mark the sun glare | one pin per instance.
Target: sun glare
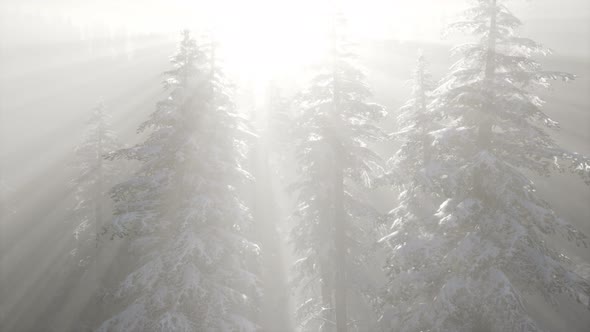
(264, 39)
(261, 40)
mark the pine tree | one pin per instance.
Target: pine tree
(91, 183)
(413, 166)
(414, 172)
(181, 210)
(333, 127)
(82, 281)
(472, 269)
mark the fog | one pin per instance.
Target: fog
(292, 205)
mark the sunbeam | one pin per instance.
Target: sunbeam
(283, 166)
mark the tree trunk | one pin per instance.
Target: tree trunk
(490, 70)
(339, 214)
(98, 207)
(99, 180)
(484, 134)
(485, 127)
(327, 303)
(340, 249)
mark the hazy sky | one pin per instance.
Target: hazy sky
(377, 18)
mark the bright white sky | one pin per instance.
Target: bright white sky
(375, 18)
(263, 36)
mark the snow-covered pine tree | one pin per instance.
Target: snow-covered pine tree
(92, 181)
(414, 172)
(412, 169)
(335, 225)
(181, 210)
(490, 246)
(82, 281)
